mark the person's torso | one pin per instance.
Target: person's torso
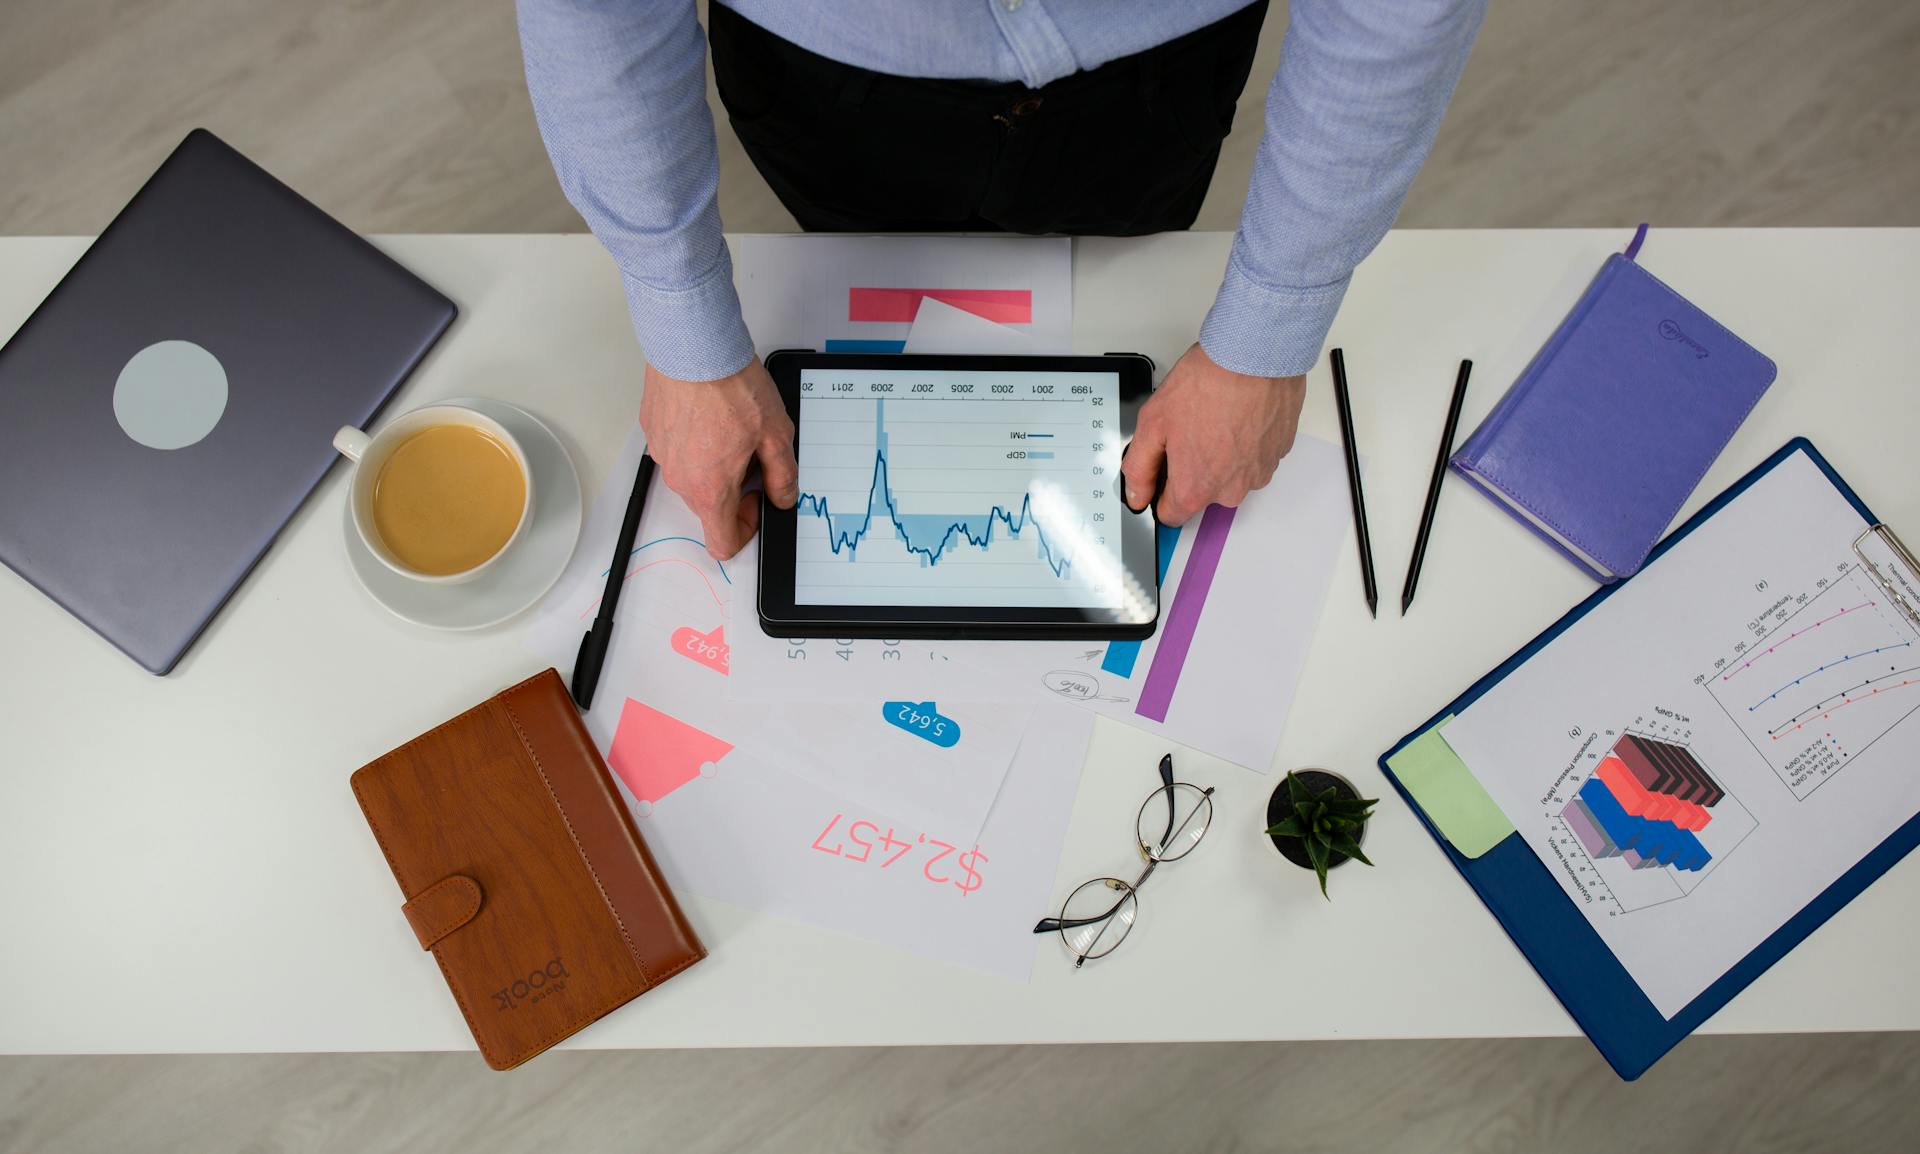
(1030, 41)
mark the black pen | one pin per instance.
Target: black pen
(1353, 481)
(593, 647)
(1433, 486)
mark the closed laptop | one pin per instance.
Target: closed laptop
(171, 403)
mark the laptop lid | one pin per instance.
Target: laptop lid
(173, 400)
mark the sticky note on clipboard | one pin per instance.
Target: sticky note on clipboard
(1447, 792)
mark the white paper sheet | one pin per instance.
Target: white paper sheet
(928, 759)
(806, 291)
(940, 328)
(774, 669)
(1759, 646)
(1231, 694)
(756, 837)
(1228, 695)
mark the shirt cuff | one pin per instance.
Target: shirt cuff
(693, 334)
(1264, 331)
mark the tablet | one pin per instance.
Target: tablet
(956, 496)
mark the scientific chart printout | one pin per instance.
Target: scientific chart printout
(1711, 747)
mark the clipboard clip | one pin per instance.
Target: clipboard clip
(1892, 567)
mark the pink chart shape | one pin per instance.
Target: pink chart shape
(708, 649)
(656, 753)
(900, 305)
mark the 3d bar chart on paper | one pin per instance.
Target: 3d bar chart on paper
(1644, 804)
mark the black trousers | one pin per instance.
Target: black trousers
(1125, 149)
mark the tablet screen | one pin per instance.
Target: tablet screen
(938, 487)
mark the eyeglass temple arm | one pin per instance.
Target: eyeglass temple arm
(1166, 783)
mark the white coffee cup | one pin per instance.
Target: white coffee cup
(369, 454)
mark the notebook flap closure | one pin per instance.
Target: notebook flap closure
(442, 908)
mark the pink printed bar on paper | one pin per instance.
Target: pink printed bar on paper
(900, 305)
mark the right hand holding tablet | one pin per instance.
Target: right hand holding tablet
(704, 435)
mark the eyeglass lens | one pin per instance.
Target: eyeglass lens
(1098, 916)
(1173, 820)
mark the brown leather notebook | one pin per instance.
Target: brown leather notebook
(522, 870)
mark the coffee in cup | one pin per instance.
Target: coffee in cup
(440, 493)
(448, 498)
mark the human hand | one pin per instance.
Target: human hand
(1216, 434)
(703, 436)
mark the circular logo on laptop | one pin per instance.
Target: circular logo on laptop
(170, 395)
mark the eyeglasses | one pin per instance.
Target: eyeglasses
(1099, 914)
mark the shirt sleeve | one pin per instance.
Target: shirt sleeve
(1353, 109)
(619, 89)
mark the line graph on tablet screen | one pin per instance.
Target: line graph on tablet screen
(940, 487)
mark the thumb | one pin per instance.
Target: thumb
(779, 472)
(1141, 465)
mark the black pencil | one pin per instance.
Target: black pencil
(1433, 486)
(593, 647)
(1353, 482)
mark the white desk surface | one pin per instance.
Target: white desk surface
(183, 868)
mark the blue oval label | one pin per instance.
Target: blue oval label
(923, 720)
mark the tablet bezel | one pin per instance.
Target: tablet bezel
(780, 616)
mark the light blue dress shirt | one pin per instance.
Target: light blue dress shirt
(619, 89)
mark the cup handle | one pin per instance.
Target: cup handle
(351, 442)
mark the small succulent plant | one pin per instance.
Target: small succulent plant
(1325, 824)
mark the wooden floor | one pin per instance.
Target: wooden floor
(1832, 1094)
(407, 116)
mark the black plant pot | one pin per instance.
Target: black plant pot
(1280, 807)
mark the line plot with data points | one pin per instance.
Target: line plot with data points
(1853, 679)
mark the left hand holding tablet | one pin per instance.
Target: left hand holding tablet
(1216, 433)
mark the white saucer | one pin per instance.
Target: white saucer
(520, 578)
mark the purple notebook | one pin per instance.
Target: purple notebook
(1617, 418)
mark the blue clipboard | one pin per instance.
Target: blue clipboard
(1552, 932)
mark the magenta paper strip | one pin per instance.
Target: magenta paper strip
(1176, 635)
(900, 305)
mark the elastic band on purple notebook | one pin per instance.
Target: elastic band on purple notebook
(1633, 246)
